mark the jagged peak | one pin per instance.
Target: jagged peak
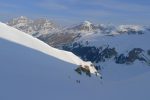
(21, 18)
(86, 23)
(43, 20)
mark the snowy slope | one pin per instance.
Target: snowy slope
(28, 71)
(122, 42)
(123, 38)
(28, 41)
(116, 53)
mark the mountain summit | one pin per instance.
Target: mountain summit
(33, 27)
(85, 26)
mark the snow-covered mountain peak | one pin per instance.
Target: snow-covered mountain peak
(33, 27)
(19, 21)
(83, 27)
(22, 17)
(86, 23)
(43, 25)
(42, 21)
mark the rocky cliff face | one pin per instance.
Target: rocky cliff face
(33, 27)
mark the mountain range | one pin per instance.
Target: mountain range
(30, 69)
(33, 70)
(98, 43)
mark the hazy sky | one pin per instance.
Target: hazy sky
(74, 11)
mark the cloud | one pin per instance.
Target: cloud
(51, 5)
(122, 6)
(77, 10)
(7, 5)
(94, 13)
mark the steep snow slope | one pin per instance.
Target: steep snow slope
(28, 74)
(26, 40)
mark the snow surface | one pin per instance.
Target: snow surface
(124, 28)
(29, 72)
(121, 42)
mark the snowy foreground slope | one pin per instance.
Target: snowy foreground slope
(28, 71)
(28, 41)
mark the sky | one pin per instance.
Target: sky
(74, 11)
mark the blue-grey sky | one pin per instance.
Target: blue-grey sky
(74, 11)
